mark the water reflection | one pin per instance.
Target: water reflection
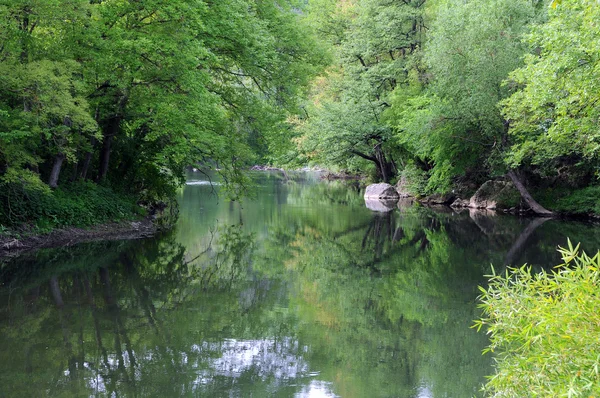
(302, 292)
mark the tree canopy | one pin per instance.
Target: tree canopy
(127, 93)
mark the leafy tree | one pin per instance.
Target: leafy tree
(450, 118)
(374, 56)
(129, 93)
(553, 113)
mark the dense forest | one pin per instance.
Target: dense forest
(104, 102)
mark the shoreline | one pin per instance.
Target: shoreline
(70, 236)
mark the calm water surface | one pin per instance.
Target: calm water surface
(301, 292)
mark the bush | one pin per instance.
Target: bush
(79, 204)
(416, 180)
(579, 201)
(545, 329)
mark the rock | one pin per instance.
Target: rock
(402, 188)
(381, 191)
(495, 194)
(460, 203)
(382, 206)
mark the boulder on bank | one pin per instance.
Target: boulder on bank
(381, 191)
(495, 194)
(402, 187)
(460, 203)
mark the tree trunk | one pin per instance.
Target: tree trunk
(55, 173)
(85, 165)
(104, 157)
(535, 206)
(385, 167)
(110, 130)
(75, 173)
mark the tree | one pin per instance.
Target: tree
(554, 110)
(374, 56)
(130, 92)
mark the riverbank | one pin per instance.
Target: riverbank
(502, 196)
(11, 245)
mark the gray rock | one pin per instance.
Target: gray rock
(494, 194)
(402, 188)
(439, 199)
(459, 203)
(381, 191)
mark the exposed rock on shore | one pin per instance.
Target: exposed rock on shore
(381, 191)
(494, 194)
(402, 188)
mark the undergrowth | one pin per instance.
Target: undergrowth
(577, 201)
(80, 204)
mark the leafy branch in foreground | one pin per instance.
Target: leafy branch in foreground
(544, 329)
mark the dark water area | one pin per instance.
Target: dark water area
(299, 292)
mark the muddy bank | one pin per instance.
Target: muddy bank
(11, 246)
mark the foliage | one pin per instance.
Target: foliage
(374, 48)
(79, 204)
(416, 180)
(573, 201)
(449, 116)
(466, 91)
(554, 111)
(132, 92)
(543, 328)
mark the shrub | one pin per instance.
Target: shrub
(579, 201)
(416, 180)
(77, 204)
(544, 329)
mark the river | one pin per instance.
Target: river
(300, 291)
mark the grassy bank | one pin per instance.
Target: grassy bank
(26, 211)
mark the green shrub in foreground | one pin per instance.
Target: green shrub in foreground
(545, 329)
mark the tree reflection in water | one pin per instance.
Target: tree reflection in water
(302, 293)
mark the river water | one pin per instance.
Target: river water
(299, 292)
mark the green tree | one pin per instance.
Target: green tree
(554, 111)
(130, 92)
(374, 55)
(450, 117)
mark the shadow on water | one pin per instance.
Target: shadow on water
(302, 291)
